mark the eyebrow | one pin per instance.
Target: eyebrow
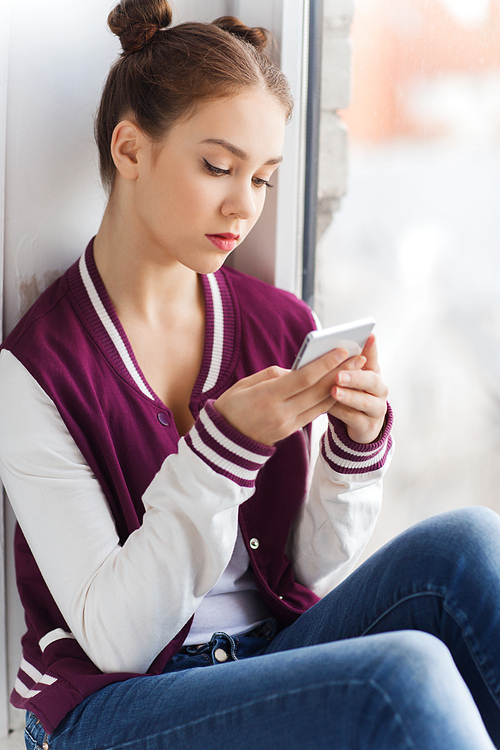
(238, 151)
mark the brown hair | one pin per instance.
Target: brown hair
(165, 71)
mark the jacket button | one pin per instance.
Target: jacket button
(254, 543)
(163, 419)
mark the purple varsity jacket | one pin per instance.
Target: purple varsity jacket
(73, 345)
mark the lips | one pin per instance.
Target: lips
(225, 241)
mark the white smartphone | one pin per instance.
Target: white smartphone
(350, 336)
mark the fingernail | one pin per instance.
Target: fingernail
(344, 378)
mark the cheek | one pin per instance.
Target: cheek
(260, 201)
(195, 197)
(174, 203)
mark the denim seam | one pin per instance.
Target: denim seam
(28, 733)
(396, 604)
(32, 739)
(480, 660)
(317, 686)
(396, 713)
(462, 624)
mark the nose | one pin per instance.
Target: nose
(240, 202)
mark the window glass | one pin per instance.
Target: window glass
(416, 243)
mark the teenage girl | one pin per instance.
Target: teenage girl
(174, 557)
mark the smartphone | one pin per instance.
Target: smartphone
(350, 336)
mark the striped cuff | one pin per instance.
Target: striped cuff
(345, 456)
(226, 450)
(30, 681)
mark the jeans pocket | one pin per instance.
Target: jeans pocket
(35, 736)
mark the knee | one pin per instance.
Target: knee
(466, 534)
(414, 662)
(425, 690)
(474, 532)
(413, 651)
(465, 520)
(476, 519)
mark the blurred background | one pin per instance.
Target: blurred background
(416, 243)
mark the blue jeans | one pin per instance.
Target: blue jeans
(404, 654)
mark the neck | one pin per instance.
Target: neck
(137, 283)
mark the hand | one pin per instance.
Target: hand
(272, 404)
(360, 397)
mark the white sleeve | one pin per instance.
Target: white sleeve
(165, 567)
(342, 508)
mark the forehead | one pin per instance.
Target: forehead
(254, 122)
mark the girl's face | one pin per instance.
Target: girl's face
(201, 194)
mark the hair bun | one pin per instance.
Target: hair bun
(256, 36)
(136, 22)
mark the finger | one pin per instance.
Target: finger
(311, 413)
(370, 351)
(354, 363)
(315, 394)
(308, 376)
(362, 380)
(360, 428)
(269, 373)
(360, 401)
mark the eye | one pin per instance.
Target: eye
(215, 170)
(259, 182)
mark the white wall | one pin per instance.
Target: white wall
(54, 57)
(58, 55)
(54, 201)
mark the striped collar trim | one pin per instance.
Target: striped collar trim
(219, 328)
(215, 360)
(114, 330)
(220, 333)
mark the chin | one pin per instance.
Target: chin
(211, 265)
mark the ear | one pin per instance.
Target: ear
(126, 143)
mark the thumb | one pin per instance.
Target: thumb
(269, 373)
(371, 353)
